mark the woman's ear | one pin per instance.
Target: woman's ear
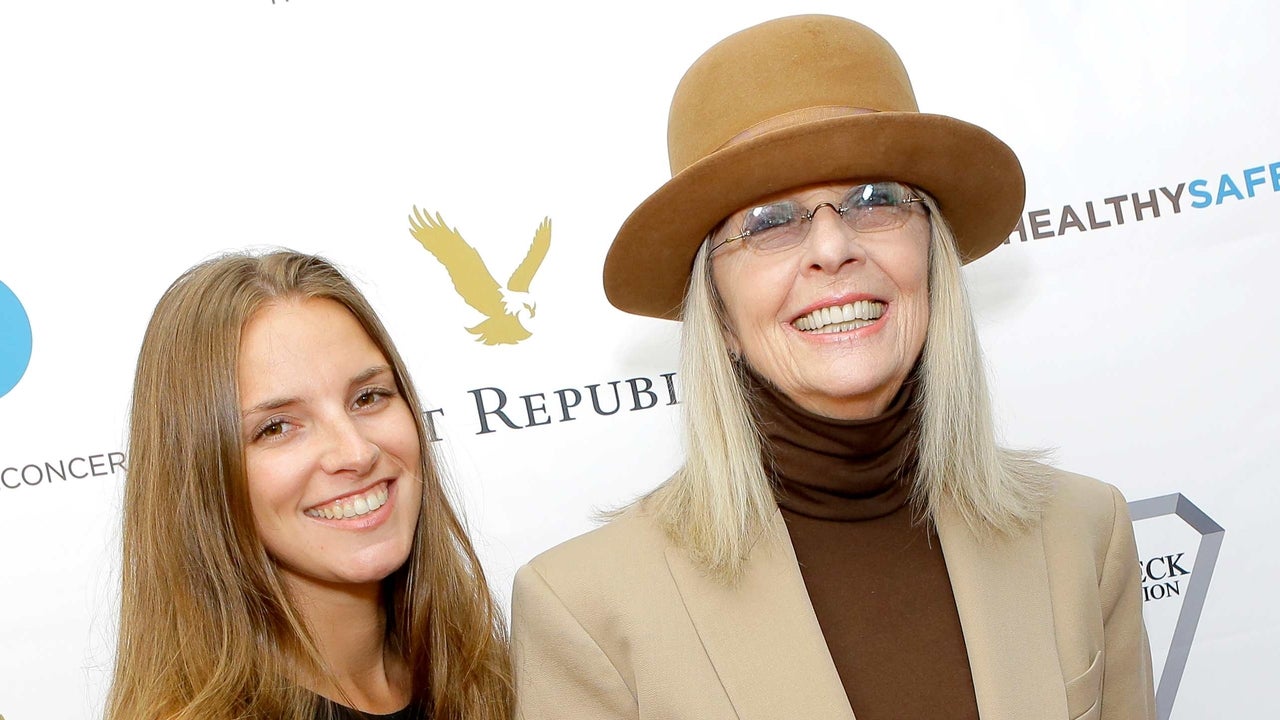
(731, 342)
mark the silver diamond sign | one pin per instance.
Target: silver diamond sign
(1166, 577)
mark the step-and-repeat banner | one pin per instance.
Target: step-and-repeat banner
(1128, 323)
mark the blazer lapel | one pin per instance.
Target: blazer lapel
(1001, 588)
(762, 636)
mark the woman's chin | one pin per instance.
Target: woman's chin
(842, 397)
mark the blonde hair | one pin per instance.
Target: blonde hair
(719, 502)
(207, 628)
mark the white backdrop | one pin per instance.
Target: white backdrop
(141, 137)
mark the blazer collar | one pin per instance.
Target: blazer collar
(768, 650)
(1001, 587)
(762, 636)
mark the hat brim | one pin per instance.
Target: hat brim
(975, 178)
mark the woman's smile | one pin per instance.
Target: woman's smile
(841, 315)
(357, 510)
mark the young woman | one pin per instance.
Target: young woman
(289, 550)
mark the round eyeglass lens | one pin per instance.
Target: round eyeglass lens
(876, 206)
(774, 225)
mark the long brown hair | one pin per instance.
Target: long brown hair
(207, 629)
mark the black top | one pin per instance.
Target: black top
(330, 710)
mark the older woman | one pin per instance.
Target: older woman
(845, 536)
(289, 549)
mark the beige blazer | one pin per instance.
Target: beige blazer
(619, 624)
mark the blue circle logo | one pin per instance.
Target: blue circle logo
(15, 340)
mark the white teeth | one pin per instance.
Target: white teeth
(352, 507)
(842, 318)
(843, 326)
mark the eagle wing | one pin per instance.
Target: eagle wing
(500, 330)
(467, 270)
(523, 276)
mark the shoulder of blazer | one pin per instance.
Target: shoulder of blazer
(1082, 512)
(610, 564)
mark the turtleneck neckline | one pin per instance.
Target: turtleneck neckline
(830, 469)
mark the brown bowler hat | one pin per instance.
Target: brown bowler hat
(791, 102)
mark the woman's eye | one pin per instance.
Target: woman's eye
(370, 397)
(877, 195)
(768, 217)
(271, 429)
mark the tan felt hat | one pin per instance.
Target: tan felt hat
(792, 102)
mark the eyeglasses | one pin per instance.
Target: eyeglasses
(869, 208)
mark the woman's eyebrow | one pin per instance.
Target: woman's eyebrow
(370, 373)
(272, 404)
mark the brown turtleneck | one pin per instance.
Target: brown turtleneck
(877, 580)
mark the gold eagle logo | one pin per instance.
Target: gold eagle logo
(506, 310)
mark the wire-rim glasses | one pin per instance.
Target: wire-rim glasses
(866, 208)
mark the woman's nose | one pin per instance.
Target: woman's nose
(831, 243)
(348, 449)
